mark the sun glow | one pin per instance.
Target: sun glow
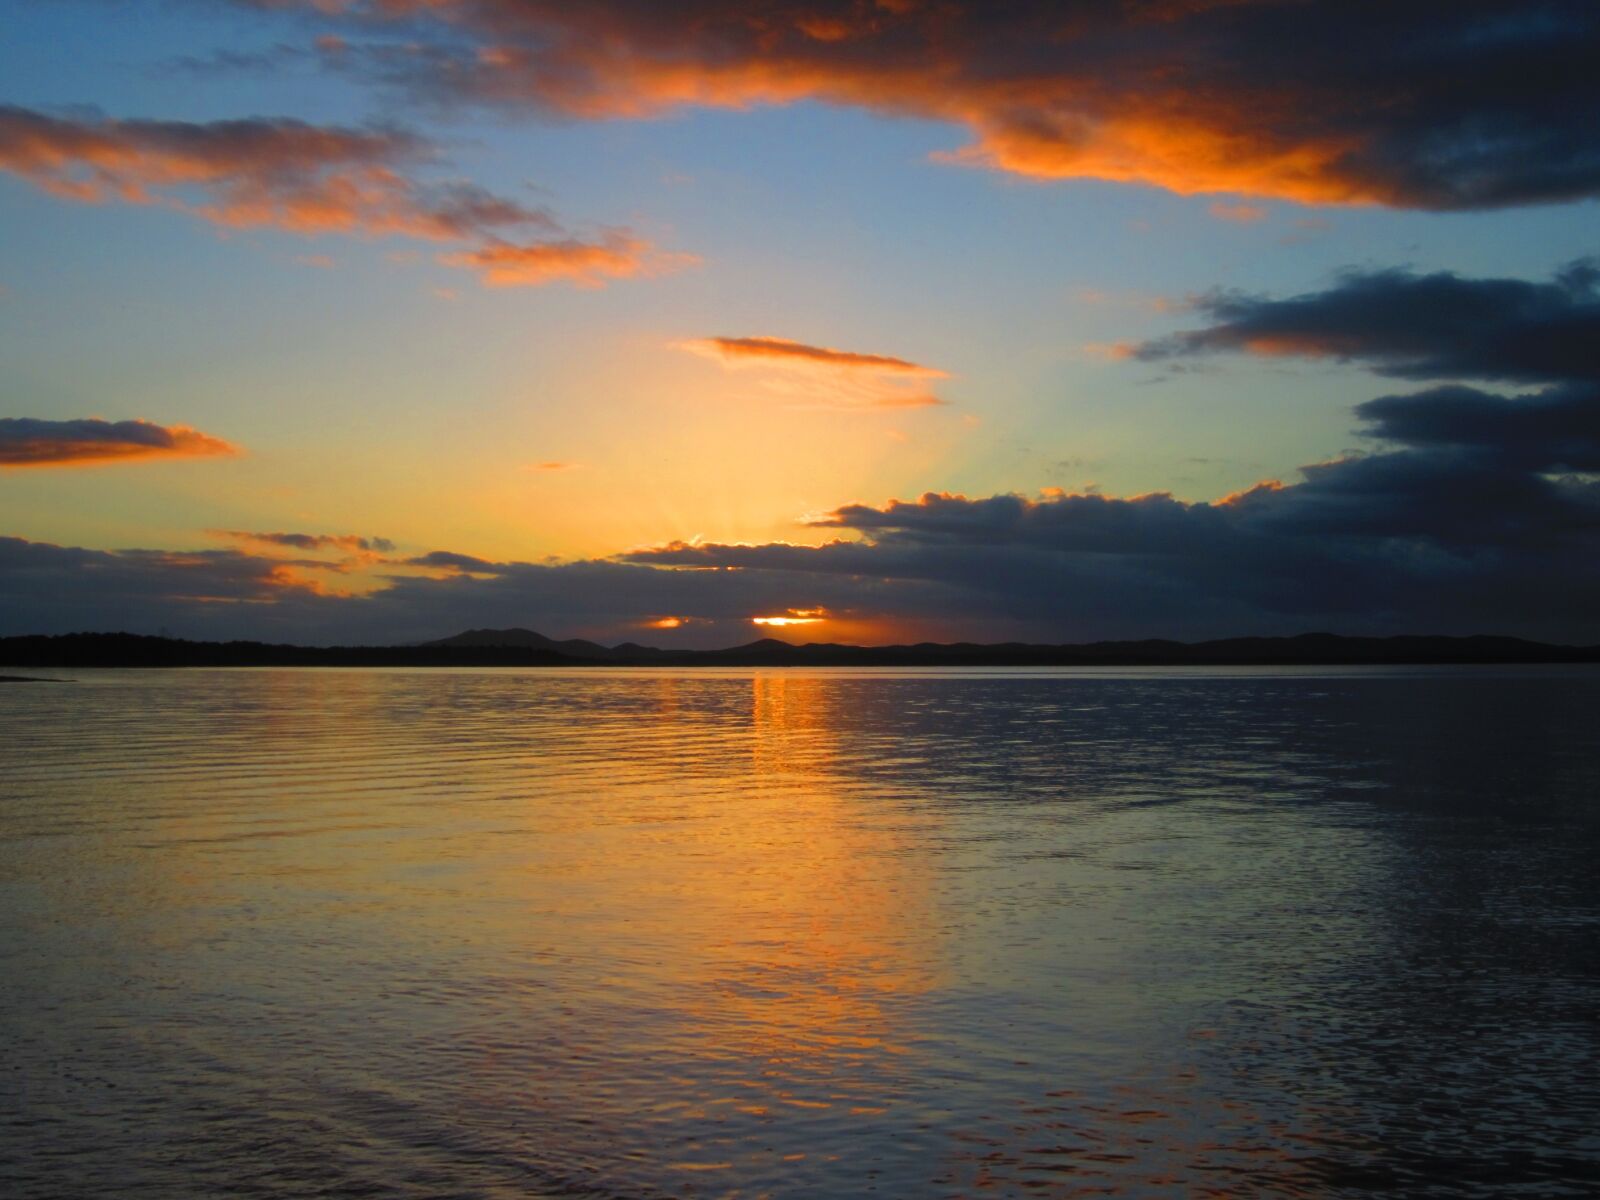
(795, 616)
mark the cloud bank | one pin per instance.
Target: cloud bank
(1430, 104)
(1464, 522)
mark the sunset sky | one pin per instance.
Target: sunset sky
(375, 320)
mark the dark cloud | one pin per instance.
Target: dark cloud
(1432, 104)
(446, 560)
(1480, 512)
(1554, 430)
(1382, 543)
(155, 584)
(1439, 326)
(29, 442)
(346, 542)
(1474, 468)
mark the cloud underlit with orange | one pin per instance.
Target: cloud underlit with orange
(28, 442)
(1250, 97)
(1423, 326)
(789, 352)
(618, 255)
(282, 174)
(308, 543)
(809, 376)
(312, 180)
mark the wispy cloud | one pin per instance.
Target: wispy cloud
(1243, 214)
(617, 255)
(312, 180)
(788, 352)
(821, 376)
(307, 542)
(1111, 351)
(28, 442)
(279, 174)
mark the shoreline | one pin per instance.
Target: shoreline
(523, 648)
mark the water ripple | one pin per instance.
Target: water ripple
(633, 935)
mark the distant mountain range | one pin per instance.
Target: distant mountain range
(525, 648)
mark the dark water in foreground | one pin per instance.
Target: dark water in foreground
(822, 934)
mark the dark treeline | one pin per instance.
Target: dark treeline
(1312, 649)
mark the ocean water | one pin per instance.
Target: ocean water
(800, 934)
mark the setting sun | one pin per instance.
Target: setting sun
(795, 616)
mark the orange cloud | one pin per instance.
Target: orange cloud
(787, 351)
(821, 376)
(583, 264)
(307, 543)
(1266, 487)
(26, 442)
(1291, 344)
(1111, 351)
(289, 556)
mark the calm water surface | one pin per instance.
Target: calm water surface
(800, 934)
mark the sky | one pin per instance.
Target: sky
(367, 321)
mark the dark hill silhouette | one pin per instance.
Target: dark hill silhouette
(525, 648)
(525, 639)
